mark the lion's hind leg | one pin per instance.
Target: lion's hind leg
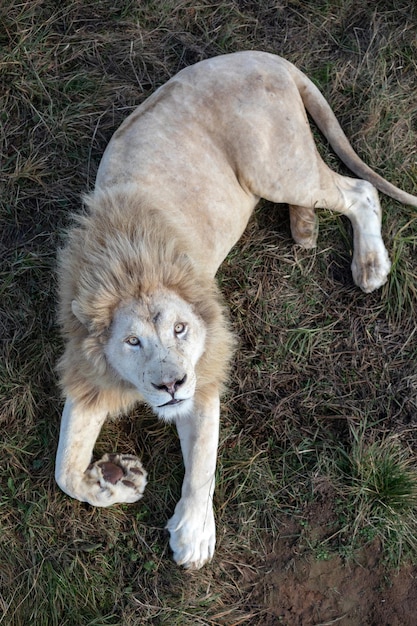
(304, 225)
(114, 478)
(358, 200)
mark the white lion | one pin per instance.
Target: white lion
(140, 310)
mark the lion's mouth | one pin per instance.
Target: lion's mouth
(170, 403)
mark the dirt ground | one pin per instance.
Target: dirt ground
(295, 588)
(300, 592)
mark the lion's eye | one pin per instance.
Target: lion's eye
(133, 341)
(180, 328)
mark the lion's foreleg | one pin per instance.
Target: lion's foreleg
(192, 527)
(115, 478)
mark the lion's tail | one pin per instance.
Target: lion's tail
(322, 114)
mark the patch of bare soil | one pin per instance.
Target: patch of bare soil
(296, 591)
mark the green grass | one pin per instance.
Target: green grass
(318, 442)
(373, 484)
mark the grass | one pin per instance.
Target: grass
(319, 422)
(383, 477)
(372, 479)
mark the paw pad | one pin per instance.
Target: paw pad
(112, 473)
(120, 477)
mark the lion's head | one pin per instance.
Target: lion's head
(142, 321)
(155, 344)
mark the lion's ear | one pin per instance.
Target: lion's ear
(76, 309)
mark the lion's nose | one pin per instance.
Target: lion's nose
(170, 386)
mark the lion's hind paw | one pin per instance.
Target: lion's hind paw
(370, 270)
(118, 477)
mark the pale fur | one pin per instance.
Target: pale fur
(174, 192)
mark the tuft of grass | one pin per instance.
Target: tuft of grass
(382, 485)
(373, 483)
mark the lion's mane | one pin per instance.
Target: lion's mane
(121, 249)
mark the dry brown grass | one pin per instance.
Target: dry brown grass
(316, 359)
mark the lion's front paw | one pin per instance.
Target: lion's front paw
(115, 478)
(192, 533)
